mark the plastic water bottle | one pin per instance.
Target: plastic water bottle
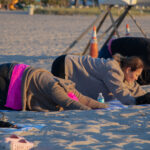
(100, 98)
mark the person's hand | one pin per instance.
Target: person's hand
(145, 99)
(103, 105)
(59, 108)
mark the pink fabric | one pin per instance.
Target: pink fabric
(72, 96)
(13, 100)
(109, 46)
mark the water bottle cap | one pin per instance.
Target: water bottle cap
(100, 94)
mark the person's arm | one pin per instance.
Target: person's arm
(138, 90)
(85, 100)
(114, 80)
(60, 97)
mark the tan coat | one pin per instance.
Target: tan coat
(41, 91)
(100, 75)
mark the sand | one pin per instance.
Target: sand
(37, 40)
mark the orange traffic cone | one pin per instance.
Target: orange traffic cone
(94, 45)
(127, 30)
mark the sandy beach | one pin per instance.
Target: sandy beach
(37, 40)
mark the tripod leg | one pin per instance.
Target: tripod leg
(120, 19)
(113, 22)
(137, 25)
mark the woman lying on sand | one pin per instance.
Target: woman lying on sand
(25, 88)
(130, 46)
(115, 78)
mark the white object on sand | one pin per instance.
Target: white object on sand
(15, 142)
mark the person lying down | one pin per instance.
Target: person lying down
(25, 88)
(115, 78)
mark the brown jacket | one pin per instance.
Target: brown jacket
(41, 91)
(101, 75)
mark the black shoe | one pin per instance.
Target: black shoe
(5, 124)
